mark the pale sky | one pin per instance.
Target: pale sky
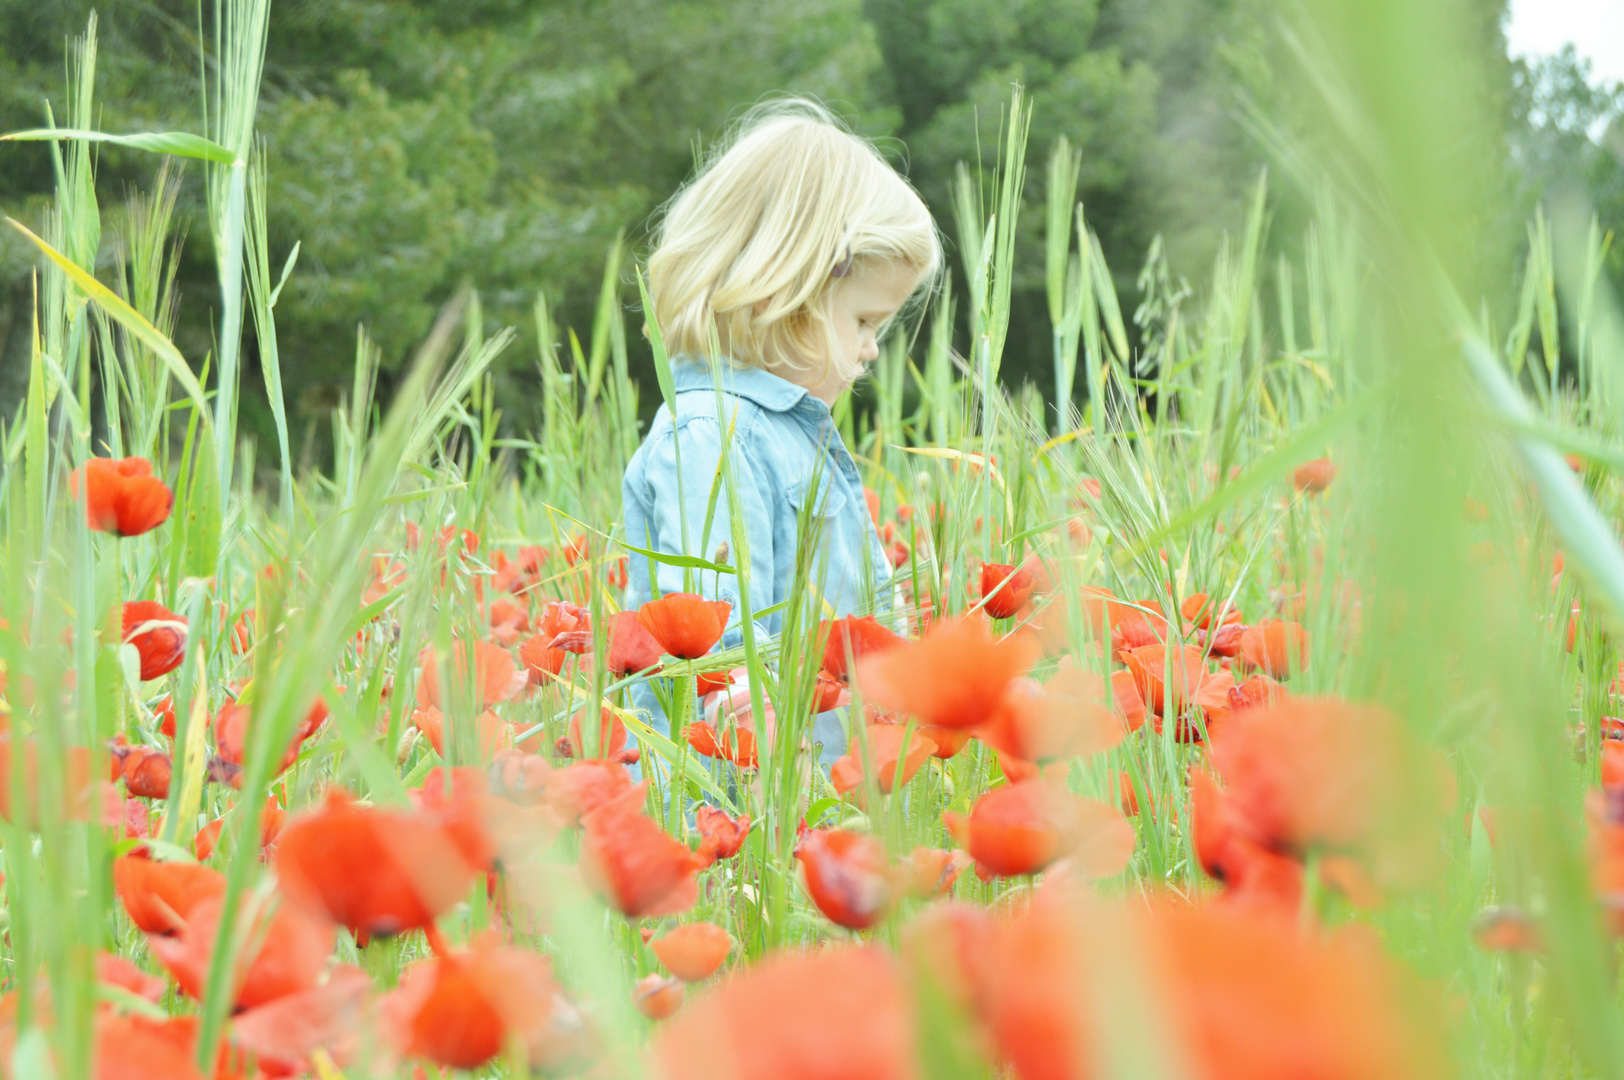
(1595, 27)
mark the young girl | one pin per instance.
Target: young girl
(793, 249)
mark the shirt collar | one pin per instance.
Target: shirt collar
(771, 392)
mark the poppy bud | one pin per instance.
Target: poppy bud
(1004, 589)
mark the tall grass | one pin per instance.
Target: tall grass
(1372, 347)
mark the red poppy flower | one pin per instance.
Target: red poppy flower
(1004, 589)
(1226, 641)
(694, 951)
(1310, 772)
(931, 872)
(231, 725)
(164, 710)
(1130, 626)
(158, 634)
(1198, 610)
(492, 734)
(121, 495)
(1506, 929)
(631, 647)
(720, 836)
(1251, 874)
(495, 679)
(1021, 828)
(828, 693)
(1166, 679)
(78, 796)
(851, 638)
(846, 876)
(271, 820)
(737, 746)
(136, 1048)
(1255, 691)
(159, 896)
(460, 801)
(839, 1012)
(537, 654)
(885, 750)
(373, 870)
(685, 624)
(1010, 830)
(283, 1035)
(1230, 982)
(462, 1008)
(952, 677)
(657, 996)
(583, 786)
(282, 954)
(633, 863)
(509, 621)
(115, 970)
(1065, 718)
(144, 770)
(1126, 701)
(611, 739)
(713, 683)
(1313, 477)
(947, 741)
(1277, 648)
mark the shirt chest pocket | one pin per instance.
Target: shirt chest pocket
(821, 499)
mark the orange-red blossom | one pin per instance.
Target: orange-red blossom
(121, 495)
(953, 677)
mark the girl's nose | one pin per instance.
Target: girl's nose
(870, 350)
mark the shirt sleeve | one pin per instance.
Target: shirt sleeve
(698, 441)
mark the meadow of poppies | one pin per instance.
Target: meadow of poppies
(1258, 720)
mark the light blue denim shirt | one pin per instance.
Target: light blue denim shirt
(786, 453)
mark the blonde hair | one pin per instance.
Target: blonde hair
(752, 246)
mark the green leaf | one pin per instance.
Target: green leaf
(287, 268)
(690, 561)
(179, 143)
(202, 524)
(131, 319)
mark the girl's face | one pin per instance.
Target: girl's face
(860, 305)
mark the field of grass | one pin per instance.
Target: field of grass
(1254, 721)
